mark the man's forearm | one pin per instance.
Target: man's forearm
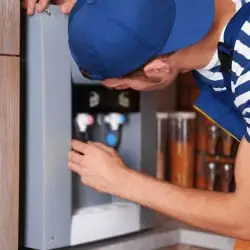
(217, 212)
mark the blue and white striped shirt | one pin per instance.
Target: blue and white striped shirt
(240, 78)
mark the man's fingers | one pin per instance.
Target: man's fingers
(67, 6)
(33, 5)
(30, 5)
(75, 158)
(103, 147)
(86, 148)
(41, 5)
(81, 147)
(75, 168)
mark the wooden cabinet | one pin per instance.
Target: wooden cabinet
(9, 27)
(9, 122)
(242, 245)
(9, 150)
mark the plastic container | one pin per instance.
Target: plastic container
(182, 148)
(227, 172)
(213, 140)
(201, 152)
(212, 176)
(227, 145)
(161, 145)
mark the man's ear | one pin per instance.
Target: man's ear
(159, 64)
(157, 69)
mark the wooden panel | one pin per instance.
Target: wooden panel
(242, 245)
(187, 92)
(9, 151)
(166, 99)
(9, 27)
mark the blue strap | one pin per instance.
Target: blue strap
(234, 27)
(226, 49)
(219, 106)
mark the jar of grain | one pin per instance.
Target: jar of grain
(182, 148)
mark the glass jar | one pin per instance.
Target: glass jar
(227, 172)
(182, 148)
(213, 140)
(201, 151)
(212, 176)
(161, 145)
(227, 145)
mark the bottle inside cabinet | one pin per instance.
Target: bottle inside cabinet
(200, 148)
(215, 157)
(161, 145)
(201, 155)
(214, 149)
(213, 140)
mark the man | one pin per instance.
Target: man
(144, 45)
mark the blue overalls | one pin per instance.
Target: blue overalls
(219, 106)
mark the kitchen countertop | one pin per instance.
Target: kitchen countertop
(183, 247)
(172, 236)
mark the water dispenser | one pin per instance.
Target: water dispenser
(60, 105)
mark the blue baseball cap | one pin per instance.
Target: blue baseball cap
(112, 38)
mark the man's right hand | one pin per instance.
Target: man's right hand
(33, 5)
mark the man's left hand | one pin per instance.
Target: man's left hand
(98, 166)
(32, 5)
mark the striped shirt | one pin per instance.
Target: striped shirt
(240, 78)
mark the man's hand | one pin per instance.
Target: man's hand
(39, 6)
(228, 214)
(32, 5)
(67, 5)
(98, 166)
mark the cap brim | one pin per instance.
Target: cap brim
(192, 23)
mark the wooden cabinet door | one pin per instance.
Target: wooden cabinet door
(9, 27)
(242, 245)
(9, 151)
